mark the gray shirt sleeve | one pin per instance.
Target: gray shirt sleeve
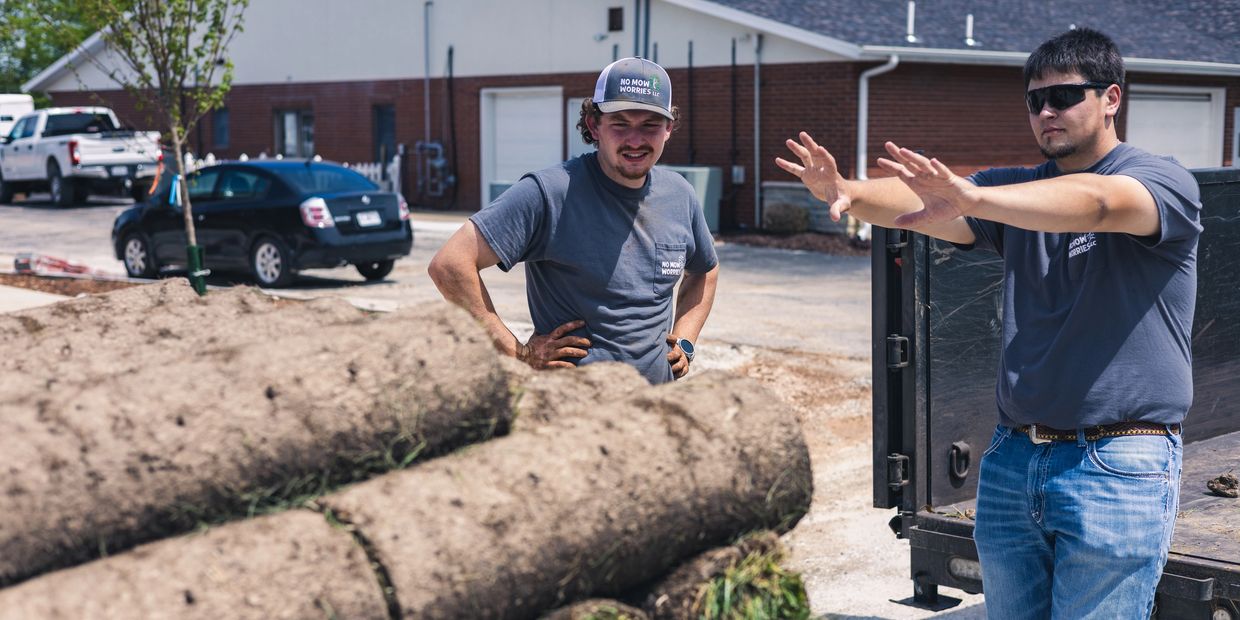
(1178, 199)
(704, 257)
(515, 224)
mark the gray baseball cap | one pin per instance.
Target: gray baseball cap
(634, 84)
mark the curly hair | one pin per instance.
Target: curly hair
(588, 109)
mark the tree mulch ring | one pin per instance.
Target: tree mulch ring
(1226, 485)
(68, 286)
(836, 245)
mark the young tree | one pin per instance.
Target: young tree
(169, 55)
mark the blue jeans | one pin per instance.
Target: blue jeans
(1075, 529)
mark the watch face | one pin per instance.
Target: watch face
(687, 347)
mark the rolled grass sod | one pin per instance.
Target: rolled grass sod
(291, 566)
(140, 445)
(592, 504)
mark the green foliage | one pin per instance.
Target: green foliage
(33, 35)
(756, 588)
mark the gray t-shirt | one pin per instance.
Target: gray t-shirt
(1096, 326)
(601, 252)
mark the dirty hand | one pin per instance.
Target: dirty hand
(944, 196)
(819, 173)
(550, 350)
(676, 357)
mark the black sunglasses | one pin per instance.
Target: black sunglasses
(1060, 96)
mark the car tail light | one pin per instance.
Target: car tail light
(404, 209)
(315, 214)
(74, 155)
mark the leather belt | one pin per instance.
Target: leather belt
(1044, 434)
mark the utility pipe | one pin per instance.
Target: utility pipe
(863, 111)
(757, 131)
(426, 78)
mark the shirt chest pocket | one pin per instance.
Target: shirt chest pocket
(669, 265)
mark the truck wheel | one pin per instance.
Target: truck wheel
(138, 257)
(270, 263)
(6, 191)
(62, 189)
(375, 270)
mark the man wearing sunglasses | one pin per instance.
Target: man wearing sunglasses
(1078, 490)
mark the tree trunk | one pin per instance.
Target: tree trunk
(194, 415)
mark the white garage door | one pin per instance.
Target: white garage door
(1184, 122)
(522, 131)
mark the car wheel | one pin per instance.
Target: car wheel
(138, 257)
(6, 191)
(270, 263)
(61, 188)
(375, 270)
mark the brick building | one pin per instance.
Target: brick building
(479, 91)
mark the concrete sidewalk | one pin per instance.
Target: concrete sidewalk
(13, 298)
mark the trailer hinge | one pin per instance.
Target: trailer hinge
(897, 238)
(897, 471)
(897, 352)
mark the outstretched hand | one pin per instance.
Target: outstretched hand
(944, 195)
(819, 173)
(550, 350)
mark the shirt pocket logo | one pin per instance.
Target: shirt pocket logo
(669, 265)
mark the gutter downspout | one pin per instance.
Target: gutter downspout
(757, 131)
(863, 111)
(863, 122)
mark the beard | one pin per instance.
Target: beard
(1058, 151)
(636, 173)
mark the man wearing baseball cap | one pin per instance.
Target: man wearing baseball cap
(605, 237)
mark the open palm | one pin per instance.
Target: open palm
(944, 195)
(818, 172)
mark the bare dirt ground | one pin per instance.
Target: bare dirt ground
(836, 245)
(62, 286)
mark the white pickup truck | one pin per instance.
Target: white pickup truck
(72, 152)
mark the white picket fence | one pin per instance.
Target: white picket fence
(372, 170)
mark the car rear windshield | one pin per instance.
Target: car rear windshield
(326, 179)
(78, 122)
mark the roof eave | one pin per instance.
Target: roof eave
(91, 45)
(770, 26)
(1016, 59)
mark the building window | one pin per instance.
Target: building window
(294, 132)
(219, 128)
(384, 132)
(615, 19)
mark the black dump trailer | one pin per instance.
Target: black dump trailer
(936, 350)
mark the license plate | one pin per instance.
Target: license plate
(120, 171)
(369, 218)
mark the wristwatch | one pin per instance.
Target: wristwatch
(687, 347)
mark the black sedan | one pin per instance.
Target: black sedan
(270, 218)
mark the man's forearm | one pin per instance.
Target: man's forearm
(881, 201)
(1071, 203)
(464, 287)
(693, 303)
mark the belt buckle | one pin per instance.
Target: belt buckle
(1033, 435)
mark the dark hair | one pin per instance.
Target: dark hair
(589, 109)
(1082, 50)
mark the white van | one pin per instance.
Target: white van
(13, 107)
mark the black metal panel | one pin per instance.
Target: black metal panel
(1216, 325)
(965, 326)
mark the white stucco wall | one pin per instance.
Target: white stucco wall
(334, 40)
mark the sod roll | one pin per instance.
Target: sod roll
(591, 504)
(290, 566)
(103, 463)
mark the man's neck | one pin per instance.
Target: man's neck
(1086, 158)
